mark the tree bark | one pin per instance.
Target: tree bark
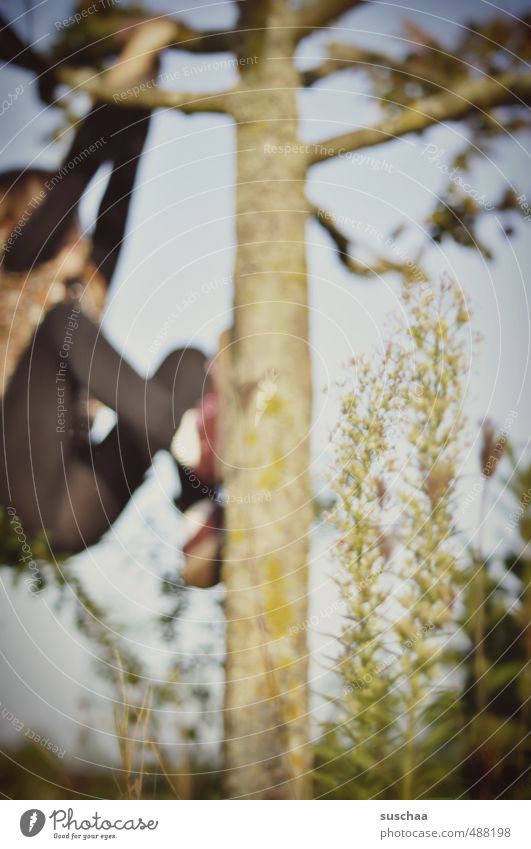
(267, 450)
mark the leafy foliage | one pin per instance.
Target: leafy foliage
(496, 700)
(469, 733)
(397, 451)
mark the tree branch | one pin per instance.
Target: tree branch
(378, 266)
(320, 14)
(343, 57)
(145, 95)
(205, 42)
(417, 116)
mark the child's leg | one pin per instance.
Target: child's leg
(128, 145)
(116, 466)
(44, 233)
(42, 472)
(96, 490)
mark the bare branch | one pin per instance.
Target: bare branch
(320, 14)
(343, 57)
(205, 42)
(417, 116)
(144, 95)
(379, 264)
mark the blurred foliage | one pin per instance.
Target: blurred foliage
(495, 707)
(397, 451)
(15, 545)
(487, 48)
(484, 49)
(146, 710)
(29, 772)
(429, 68)
(474, 734)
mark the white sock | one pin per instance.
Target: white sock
(195, 517)
(186, 445)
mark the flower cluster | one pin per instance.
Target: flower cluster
(398, 445)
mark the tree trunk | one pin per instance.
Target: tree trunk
(267, 448)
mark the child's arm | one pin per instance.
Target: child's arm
(136, 60)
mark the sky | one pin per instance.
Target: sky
(178, 260)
